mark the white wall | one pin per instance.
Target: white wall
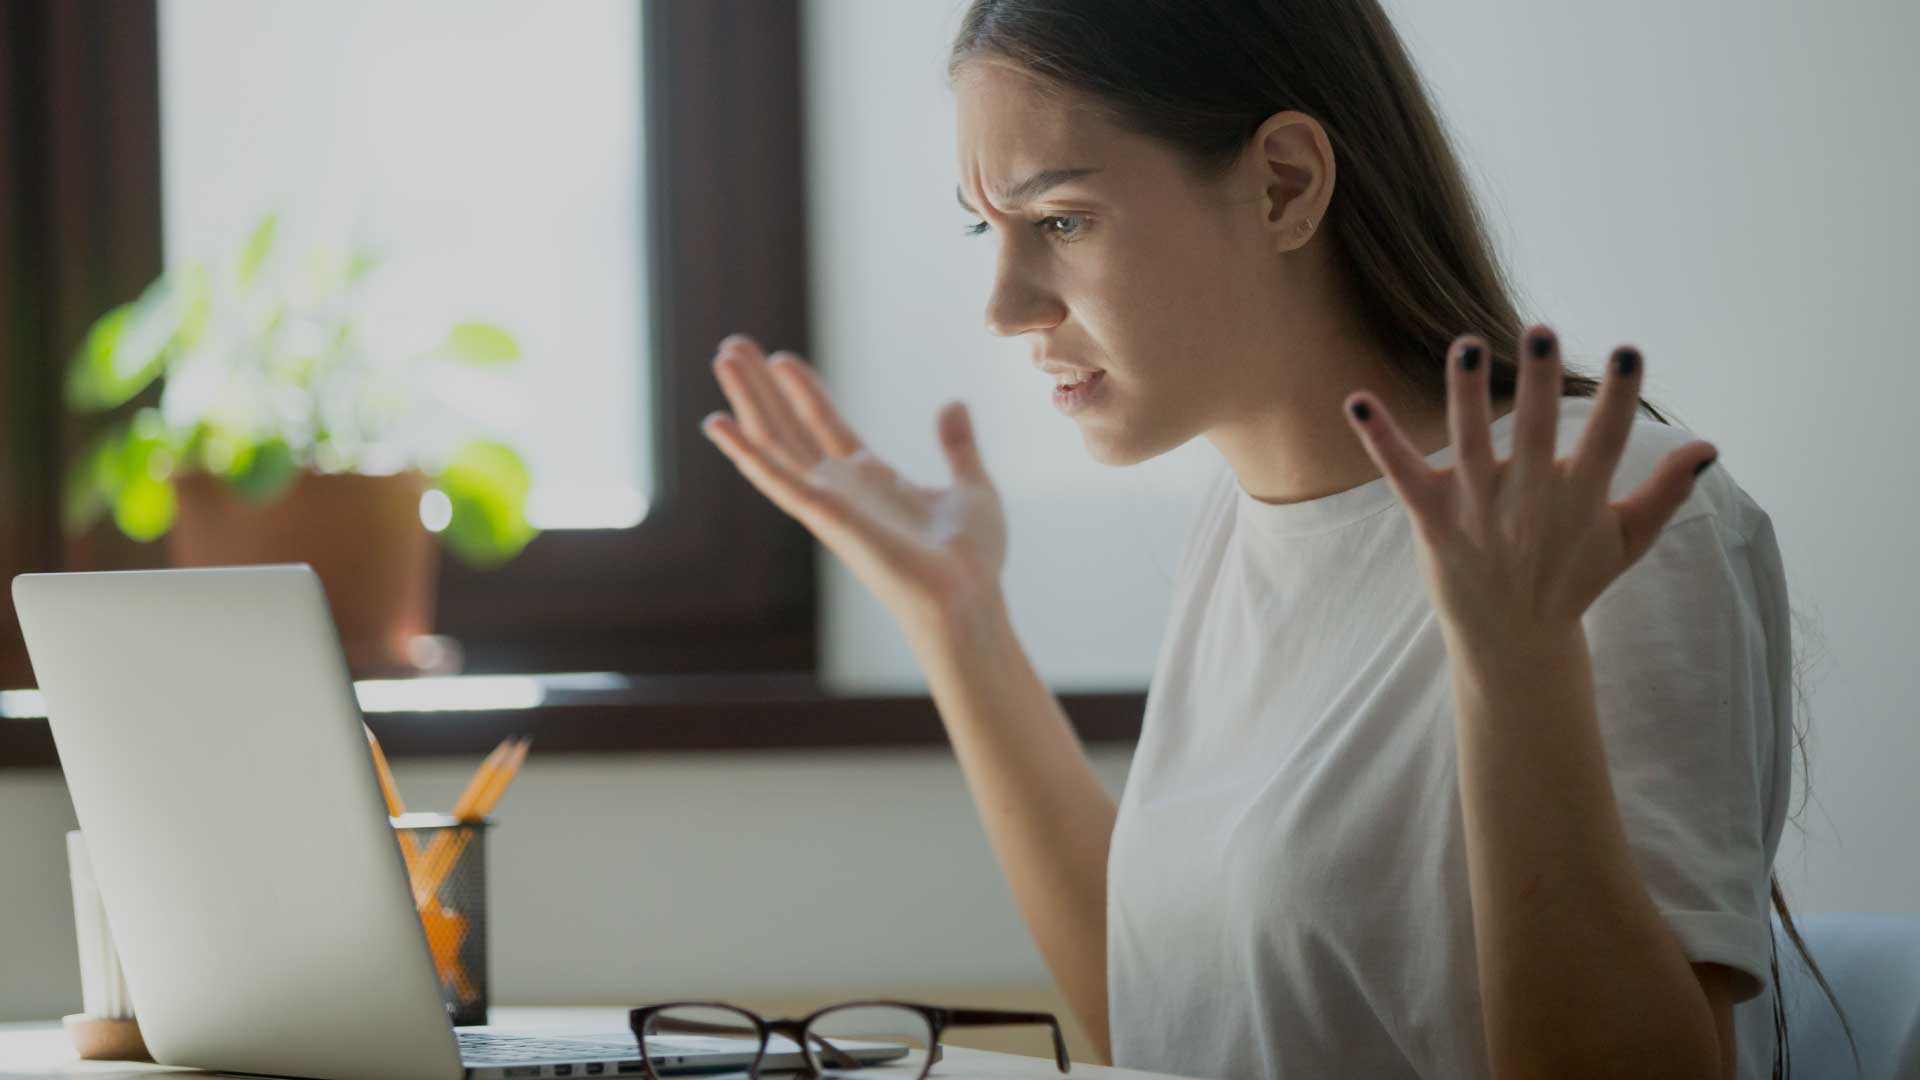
(1726, 184)
(626, 878)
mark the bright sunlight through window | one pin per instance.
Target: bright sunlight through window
(488, 153)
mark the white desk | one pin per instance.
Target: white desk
(41, 1049)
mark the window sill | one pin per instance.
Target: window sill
(592, 713)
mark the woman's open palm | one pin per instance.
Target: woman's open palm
(924, 551)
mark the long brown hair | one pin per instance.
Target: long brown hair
(1203, 75)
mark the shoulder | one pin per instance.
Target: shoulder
(1212, 521)
(1715, 494)
(1713, 581)
(1715, 563)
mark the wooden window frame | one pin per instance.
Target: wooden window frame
(716, 578)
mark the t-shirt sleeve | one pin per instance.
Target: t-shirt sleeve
(1687, 715)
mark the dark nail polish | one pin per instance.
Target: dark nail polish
(1627, 361)
(1470, 358)
(1361, 411)
(1702, 467)
(1542, 345)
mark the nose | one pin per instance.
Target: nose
(1019, 305)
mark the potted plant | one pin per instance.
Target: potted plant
(282, 435)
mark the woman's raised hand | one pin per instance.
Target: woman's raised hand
(928, 553)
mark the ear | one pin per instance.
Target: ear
(1292, 166)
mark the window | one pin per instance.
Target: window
(489, 151)
(575, 173)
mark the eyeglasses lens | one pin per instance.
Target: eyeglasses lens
(872, 1042)
(671, 1034)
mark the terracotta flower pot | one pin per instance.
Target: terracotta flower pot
(361, 534)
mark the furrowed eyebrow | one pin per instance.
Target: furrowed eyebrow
(1033, 186)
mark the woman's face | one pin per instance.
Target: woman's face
(1171, 288)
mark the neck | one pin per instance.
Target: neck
(1293, 442)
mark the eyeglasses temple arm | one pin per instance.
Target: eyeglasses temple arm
(699, 1027)
(980, 1017)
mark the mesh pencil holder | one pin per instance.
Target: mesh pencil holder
(447, 862)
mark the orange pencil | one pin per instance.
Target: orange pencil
(387, 788)
(483, 791)
(482, 778)
(409, 844)
(439, 848)
(502, 777)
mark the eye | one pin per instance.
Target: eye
(1074, 221)
(1071, 226)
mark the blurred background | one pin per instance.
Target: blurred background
(431, 289)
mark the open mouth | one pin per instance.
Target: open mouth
(1074, 391)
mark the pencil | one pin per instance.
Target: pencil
(483, 791)
(441, 857)
(502, 777)
(409, 845)
(440, 848)
(387, 789)
(482, 779)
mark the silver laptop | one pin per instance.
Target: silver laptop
(212, 744)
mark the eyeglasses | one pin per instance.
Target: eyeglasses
(878, 1040)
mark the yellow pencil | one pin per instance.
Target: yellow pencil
(409, 846)
(502, 777)
(440, 848)
(483, 791)
(482, 778)
(387, 788)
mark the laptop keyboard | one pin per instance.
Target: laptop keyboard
(487, 1048)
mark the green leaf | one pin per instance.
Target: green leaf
(255, 253)
(144, 508)
(132, 345)
(300, 369)
(214, 448)
(360, 265)
(487, 485)
(89, 375)
(127, 348)
(143, 500)
(267, 473)
(481, 343)
(87, 490)
(196, 305)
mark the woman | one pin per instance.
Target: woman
(1467, 749)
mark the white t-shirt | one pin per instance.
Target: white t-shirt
(1287, 889)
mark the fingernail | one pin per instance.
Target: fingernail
(1627, 361)
(1702, 467)
(1361, 412)
(1470, 358)
(1542, 344)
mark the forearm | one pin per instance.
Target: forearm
(1044, 808)
(1579, 974)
